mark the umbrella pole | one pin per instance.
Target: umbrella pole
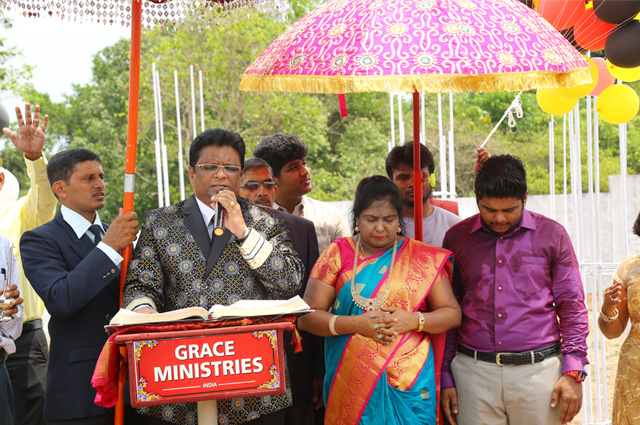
(417, 168)
(130, 166)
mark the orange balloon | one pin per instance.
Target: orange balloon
(591, 32)
(561, 14)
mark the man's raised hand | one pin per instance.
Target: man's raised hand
(30, 137)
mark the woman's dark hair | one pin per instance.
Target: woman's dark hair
(636, 226)
(501, 176)
(62, 165)
(373, 189)
(403, 155)
(280, 149)
(216, 137)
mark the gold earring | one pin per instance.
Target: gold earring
(399, 230)
(357, 228)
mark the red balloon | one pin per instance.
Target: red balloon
(591, 32)
(562, 14)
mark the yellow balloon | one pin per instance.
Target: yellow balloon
(628, 75)
(617, 104)
(584, 89)
(554, 104)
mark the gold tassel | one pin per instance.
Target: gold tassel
(422, 83)
(296, 339)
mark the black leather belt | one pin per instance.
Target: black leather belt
(3, 355)
(31, 325)
(514, 359)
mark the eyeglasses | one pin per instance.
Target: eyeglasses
(254, 185)
(213, 168)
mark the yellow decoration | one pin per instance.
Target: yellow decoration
(628, 75)
(617, 104)
(583, 89)
(553, 104)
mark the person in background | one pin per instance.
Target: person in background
(435, 220)
(306, 368)
(73, 263)
(389, 297)
(519, 355)
(180, 262)
(287, 156)
(621, 303)
(9, 329)
(28, 365)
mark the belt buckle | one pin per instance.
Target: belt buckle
(498, 362)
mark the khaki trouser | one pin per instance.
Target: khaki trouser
(489, 394)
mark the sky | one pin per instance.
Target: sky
(60, 51)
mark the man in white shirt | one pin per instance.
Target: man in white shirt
(286, 154)
(435, 220)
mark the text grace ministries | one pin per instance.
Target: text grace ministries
(195, 370)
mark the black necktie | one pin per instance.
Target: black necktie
(97, 233)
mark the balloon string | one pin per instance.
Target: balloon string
(516, 106)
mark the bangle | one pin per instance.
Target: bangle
(332, 325)
(608, 319)
(420, 321)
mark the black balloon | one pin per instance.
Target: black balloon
(568, 34)
(4, 118)
(616, 11)
(623, 45)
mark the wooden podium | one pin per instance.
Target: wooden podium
(203, 365)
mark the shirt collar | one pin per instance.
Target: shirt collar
(206, 211)
(78, 223)
(526, 221)
(297, 210)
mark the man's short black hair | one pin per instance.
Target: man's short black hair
(636, 226)
(255, 164)
(62, 165)
(280, 149)
(404, 155)
(501, 176)
(216, 137)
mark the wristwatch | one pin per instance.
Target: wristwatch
(578, 375)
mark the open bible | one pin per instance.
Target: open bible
(242, 308)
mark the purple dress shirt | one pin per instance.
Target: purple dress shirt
(518, 291)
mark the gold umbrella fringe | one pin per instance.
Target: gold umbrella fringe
(483, 83)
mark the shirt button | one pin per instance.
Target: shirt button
(501, 238)
(499, 314)
(499, 288)
(500, 261)
(500, 342)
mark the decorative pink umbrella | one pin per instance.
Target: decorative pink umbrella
(433, 46)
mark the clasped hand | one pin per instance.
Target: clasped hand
(386, 324)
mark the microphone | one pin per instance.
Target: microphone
(218, 219)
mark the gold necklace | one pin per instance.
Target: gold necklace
(369, 304)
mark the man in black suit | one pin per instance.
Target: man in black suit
(306, 368)
(73, 264)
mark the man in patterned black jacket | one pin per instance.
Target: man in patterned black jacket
(179, 262)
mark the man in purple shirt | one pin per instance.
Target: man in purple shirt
(519, 355)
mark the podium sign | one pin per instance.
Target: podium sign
(205, 364)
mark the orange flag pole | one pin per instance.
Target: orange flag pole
(417, 168)
(130, 167)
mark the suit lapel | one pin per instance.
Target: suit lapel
(80, 246)
(219, 242)
(195, 224)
